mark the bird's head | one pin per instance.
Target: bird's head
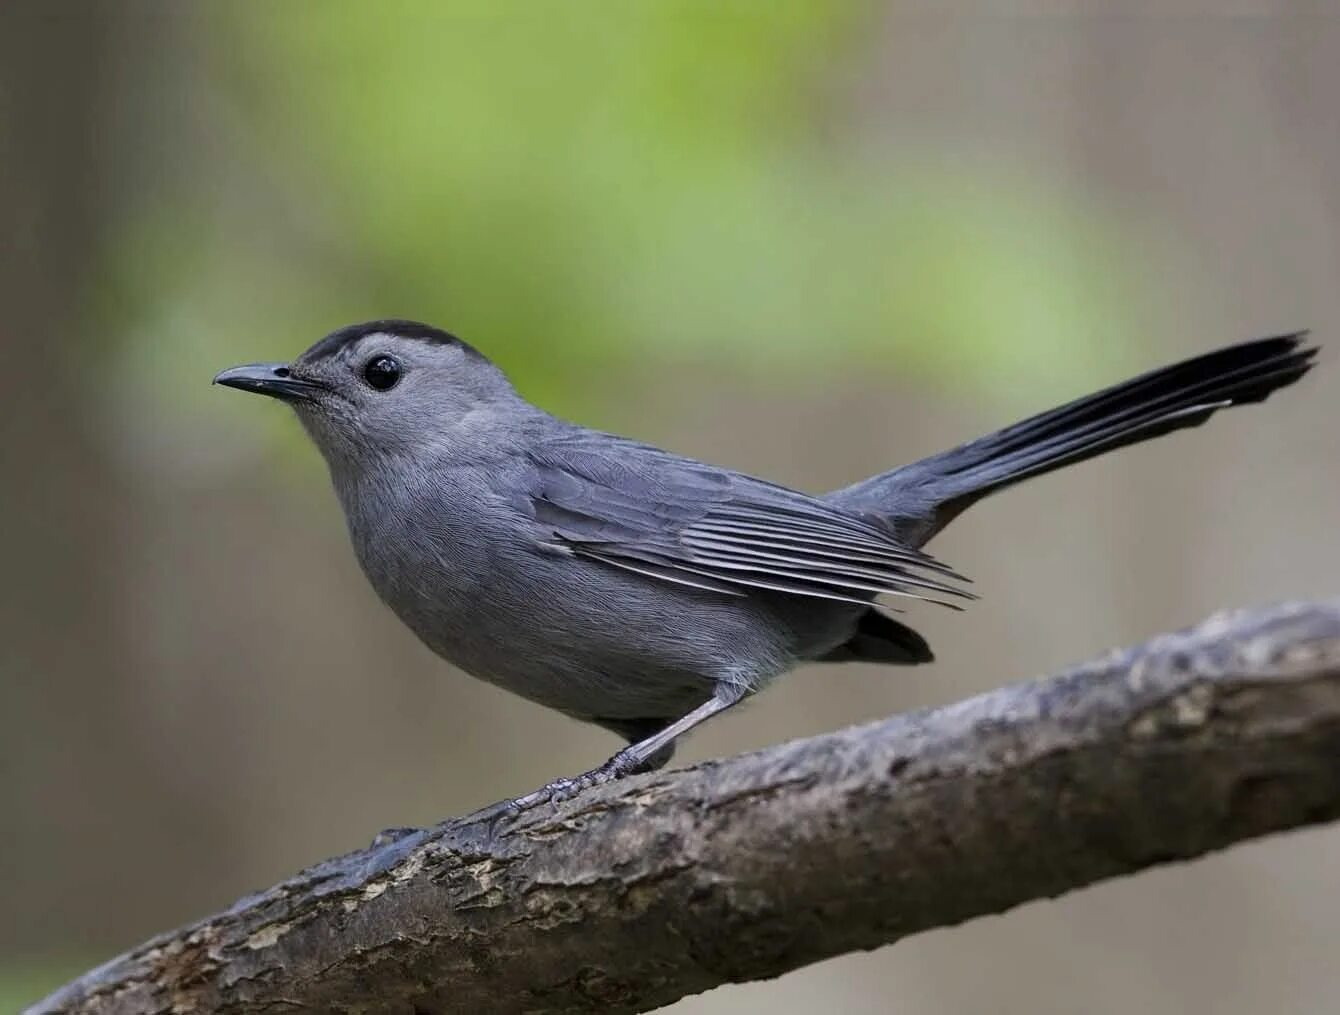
(390, 388)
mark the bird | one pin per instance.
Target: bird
(641, 590)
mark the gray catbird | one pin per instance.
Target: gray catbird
(640, 590)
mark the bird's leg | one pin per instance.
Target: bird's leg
(629, 760)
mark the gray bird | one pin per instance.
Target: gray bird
(640, 590)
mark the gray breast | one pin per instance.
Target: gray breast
(479, 584)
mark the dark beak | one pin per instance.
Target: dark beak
(273, 379)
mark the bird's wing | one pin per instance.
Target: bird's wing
(677, 520)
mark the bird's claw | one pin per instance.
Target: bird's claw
(558, 791)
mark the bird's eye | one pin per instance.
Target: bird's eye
(382, 372)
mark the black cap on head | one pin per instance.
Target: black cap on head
(338, 340)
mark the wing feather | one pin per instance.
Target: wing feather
(894, 587)
(859, 538)
(827, 563)
(676, 520)
(665, 572)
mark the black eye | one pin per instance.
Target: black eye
(382, 372)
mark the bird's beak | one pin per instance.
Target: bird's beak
(273, 379)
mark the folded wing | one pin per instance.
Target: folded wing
(676, 520)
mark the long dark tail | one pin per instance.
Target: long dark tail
(921, 498)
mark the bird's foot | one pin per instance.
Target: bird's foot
(623, 763)
(626, 762)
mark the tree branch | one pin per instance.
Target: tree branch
(636, 894)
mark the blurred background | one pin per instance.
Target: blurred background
(809, 240)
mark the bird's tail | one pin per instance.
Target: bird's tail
(920, 498)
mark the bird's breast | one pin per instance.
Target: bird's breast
(481, 587)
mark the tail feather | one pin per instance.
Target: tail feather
(1129, 422)
(920, 498)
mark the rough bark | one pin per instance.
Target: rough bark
(636, 894)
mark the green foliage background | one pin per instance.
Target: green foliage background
(575, 186)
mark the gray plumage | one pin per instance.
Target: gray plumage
(641, 590)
